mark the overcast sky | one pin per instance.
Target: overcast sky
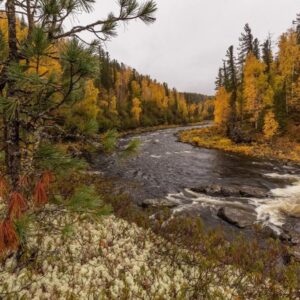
(187, 43)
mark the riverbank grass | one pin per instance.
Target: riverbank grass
(281, 148)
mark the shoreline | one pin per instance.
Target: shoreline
(209, 138)
(141, 130)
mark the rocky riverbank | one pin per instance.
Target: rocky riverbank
(229, 207)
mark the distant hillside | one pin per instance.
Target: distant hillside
(127, 99)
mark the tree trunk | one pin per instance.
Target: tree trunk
(13, 152)
(33, 139)
(12, 125)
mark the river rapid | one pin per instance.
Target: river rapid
(167, 169)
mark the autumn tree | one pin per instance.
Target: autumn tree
(271, 125)
(31, 96)
(136, 110)
(289, 71)
(222, 107)
(258, 93)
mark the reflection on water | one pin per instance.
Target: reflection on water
(167, 168)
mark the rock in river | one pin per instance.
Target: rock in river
(159, 203)
(237, 217)
(218, 190)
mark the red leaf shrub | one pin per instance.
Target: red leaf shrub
(8, 237)
(40, 196)
(47, 178)
(17, 205)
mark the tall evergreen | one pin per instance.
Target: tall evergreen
(267, 55)
(225, 75)
(256, 48)
(220, 79)
(297, 23)
(232, 82)
(246, 44)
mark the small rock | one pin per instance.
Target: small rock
(295, 253)
(268, 232)
(285, 237)
(237, 217)
(158, 203)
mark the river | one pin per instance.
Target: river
(166, 168)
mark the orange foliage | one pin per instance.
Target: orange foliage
(8, 237)
(47, 178)
(40, 196)
(17, 206)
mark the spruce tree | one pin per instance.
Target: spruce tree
(232, 84)
(220, 79)
(246, 44)
(256, 48)
(297, 23)
(225, 76)
(267, 55)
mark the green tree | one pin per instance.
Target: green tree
(267, 54)
(30, 95)
(232, 84)
(256, 48)
(246, 44)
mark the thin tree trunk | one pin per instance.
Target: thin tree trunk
(13, 153)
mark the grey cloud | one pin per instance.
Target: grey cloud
(188, 41)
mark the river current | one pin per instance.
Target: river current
(166, 168)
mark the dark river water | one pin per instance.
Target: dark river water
(166, 168)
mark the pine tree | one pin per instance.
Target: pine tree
(232, 82)
(220, 79)
(297, 23)
(246, 44)
(256, 48)
(225, 75)
(31, 94)
(267, 54)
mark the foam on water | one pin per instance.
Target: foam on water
(155, 156)
(270, 211)
(286, 202)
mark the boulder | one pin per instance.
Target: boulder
(292, 229)
(295, 253)
(158, 203)
(217, 190)
(279, 234)
(237, 217)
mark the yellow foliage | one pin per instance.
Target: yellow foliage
(271, 126)
(136, 109)
(222, 107)
(135, 88)
(257, 91)
(212, 137)
(113, 105)
(85, 112)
